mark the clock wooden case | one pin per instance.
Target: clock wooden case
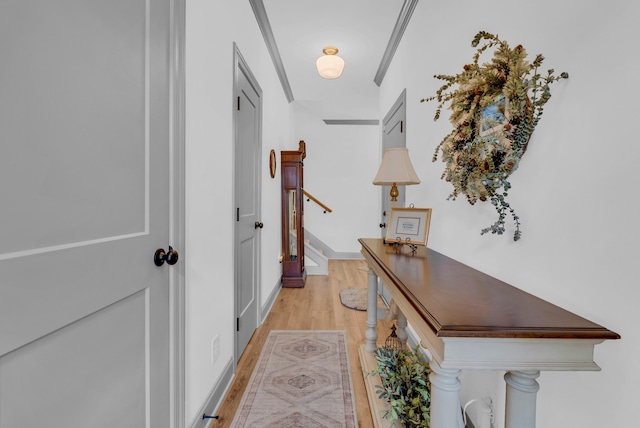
(291, 169)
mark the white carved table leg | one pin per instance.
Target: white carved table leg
(521, 398)
(445, 397)
(371, 334)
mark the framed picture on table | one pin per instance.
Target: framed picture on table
(409, 226)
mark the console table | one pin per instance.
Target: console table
(470, 320)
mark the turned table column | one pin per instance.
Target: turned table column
(371, 334)
(522, 388)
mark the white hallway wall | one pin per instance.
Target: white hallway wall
(212, 28)
(338, 170)
(572, 191)
(576, 249)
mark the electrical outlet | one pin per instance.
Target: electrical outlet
(215, 348)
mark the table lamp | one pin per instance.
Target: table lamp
(396, 170)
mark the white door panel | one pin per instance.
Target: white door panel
(84, 117)
(247, 193)
(76, 355)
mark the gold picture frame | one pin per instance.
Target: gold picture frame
(408, 226)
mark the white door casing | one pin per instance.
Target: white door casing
(86, 128)
(248, 149)
(393, 135)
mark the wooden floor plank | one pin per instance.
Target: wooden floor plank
(316, 306)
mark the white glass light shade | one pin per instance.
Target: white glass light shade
(330, 65)
(396, 168)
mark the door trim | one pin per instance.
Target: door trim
(400, 104)
(401, 101)
(177, 219)
(240, 65)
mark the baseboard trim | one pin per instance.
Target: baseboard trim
(346, 256)
(270, 301)
(214, 400)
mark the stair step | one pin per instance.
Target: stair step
(318, 263)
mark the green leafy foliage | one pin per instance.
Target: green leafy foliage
(495, 108)
(405, 384)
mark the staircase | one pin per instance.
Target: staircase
(317, 255)
(316, 252)
(315, 262)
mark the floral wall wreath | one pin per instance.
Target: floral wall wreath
(495, 109)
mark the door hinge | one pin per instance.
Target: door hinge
(401, 126)
(238, 103)
(238, 214)
(237, 324)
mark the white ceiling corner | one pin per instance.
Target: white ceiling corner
(366, 32)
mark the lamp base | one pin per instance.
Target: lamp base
(394, 193)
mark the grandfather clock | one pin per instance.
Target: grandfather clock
(293, 273)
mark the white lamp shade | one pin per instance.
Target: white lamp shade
(396, 168)
(330, 66)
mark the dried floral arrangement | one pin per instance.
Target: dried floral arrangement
(495, 109)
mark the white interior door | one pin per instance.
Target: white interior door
(84, 119)
(248, 170)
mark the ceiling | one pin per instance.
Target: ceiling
(365, 31)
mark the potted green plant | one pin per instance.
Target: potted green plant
(405, 384)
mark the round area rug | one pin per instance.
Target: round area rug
(354, 298)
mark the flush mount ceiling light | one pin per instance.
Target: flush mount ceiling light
(330, 65)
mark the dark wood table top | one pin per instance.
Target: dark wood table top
(458, 301)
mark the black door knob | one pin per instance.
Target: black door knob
(259, 225)
(160, 256)
(383, 225)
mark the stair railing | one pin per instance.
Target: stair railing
(312, 198)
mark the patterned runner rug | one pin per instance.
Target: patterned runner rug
(302, 380)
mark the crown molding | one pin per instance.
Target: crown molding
(267, 34)
(394, 40)
(351, 121)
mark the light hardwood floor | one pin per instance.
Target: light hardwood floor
(315, 307)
